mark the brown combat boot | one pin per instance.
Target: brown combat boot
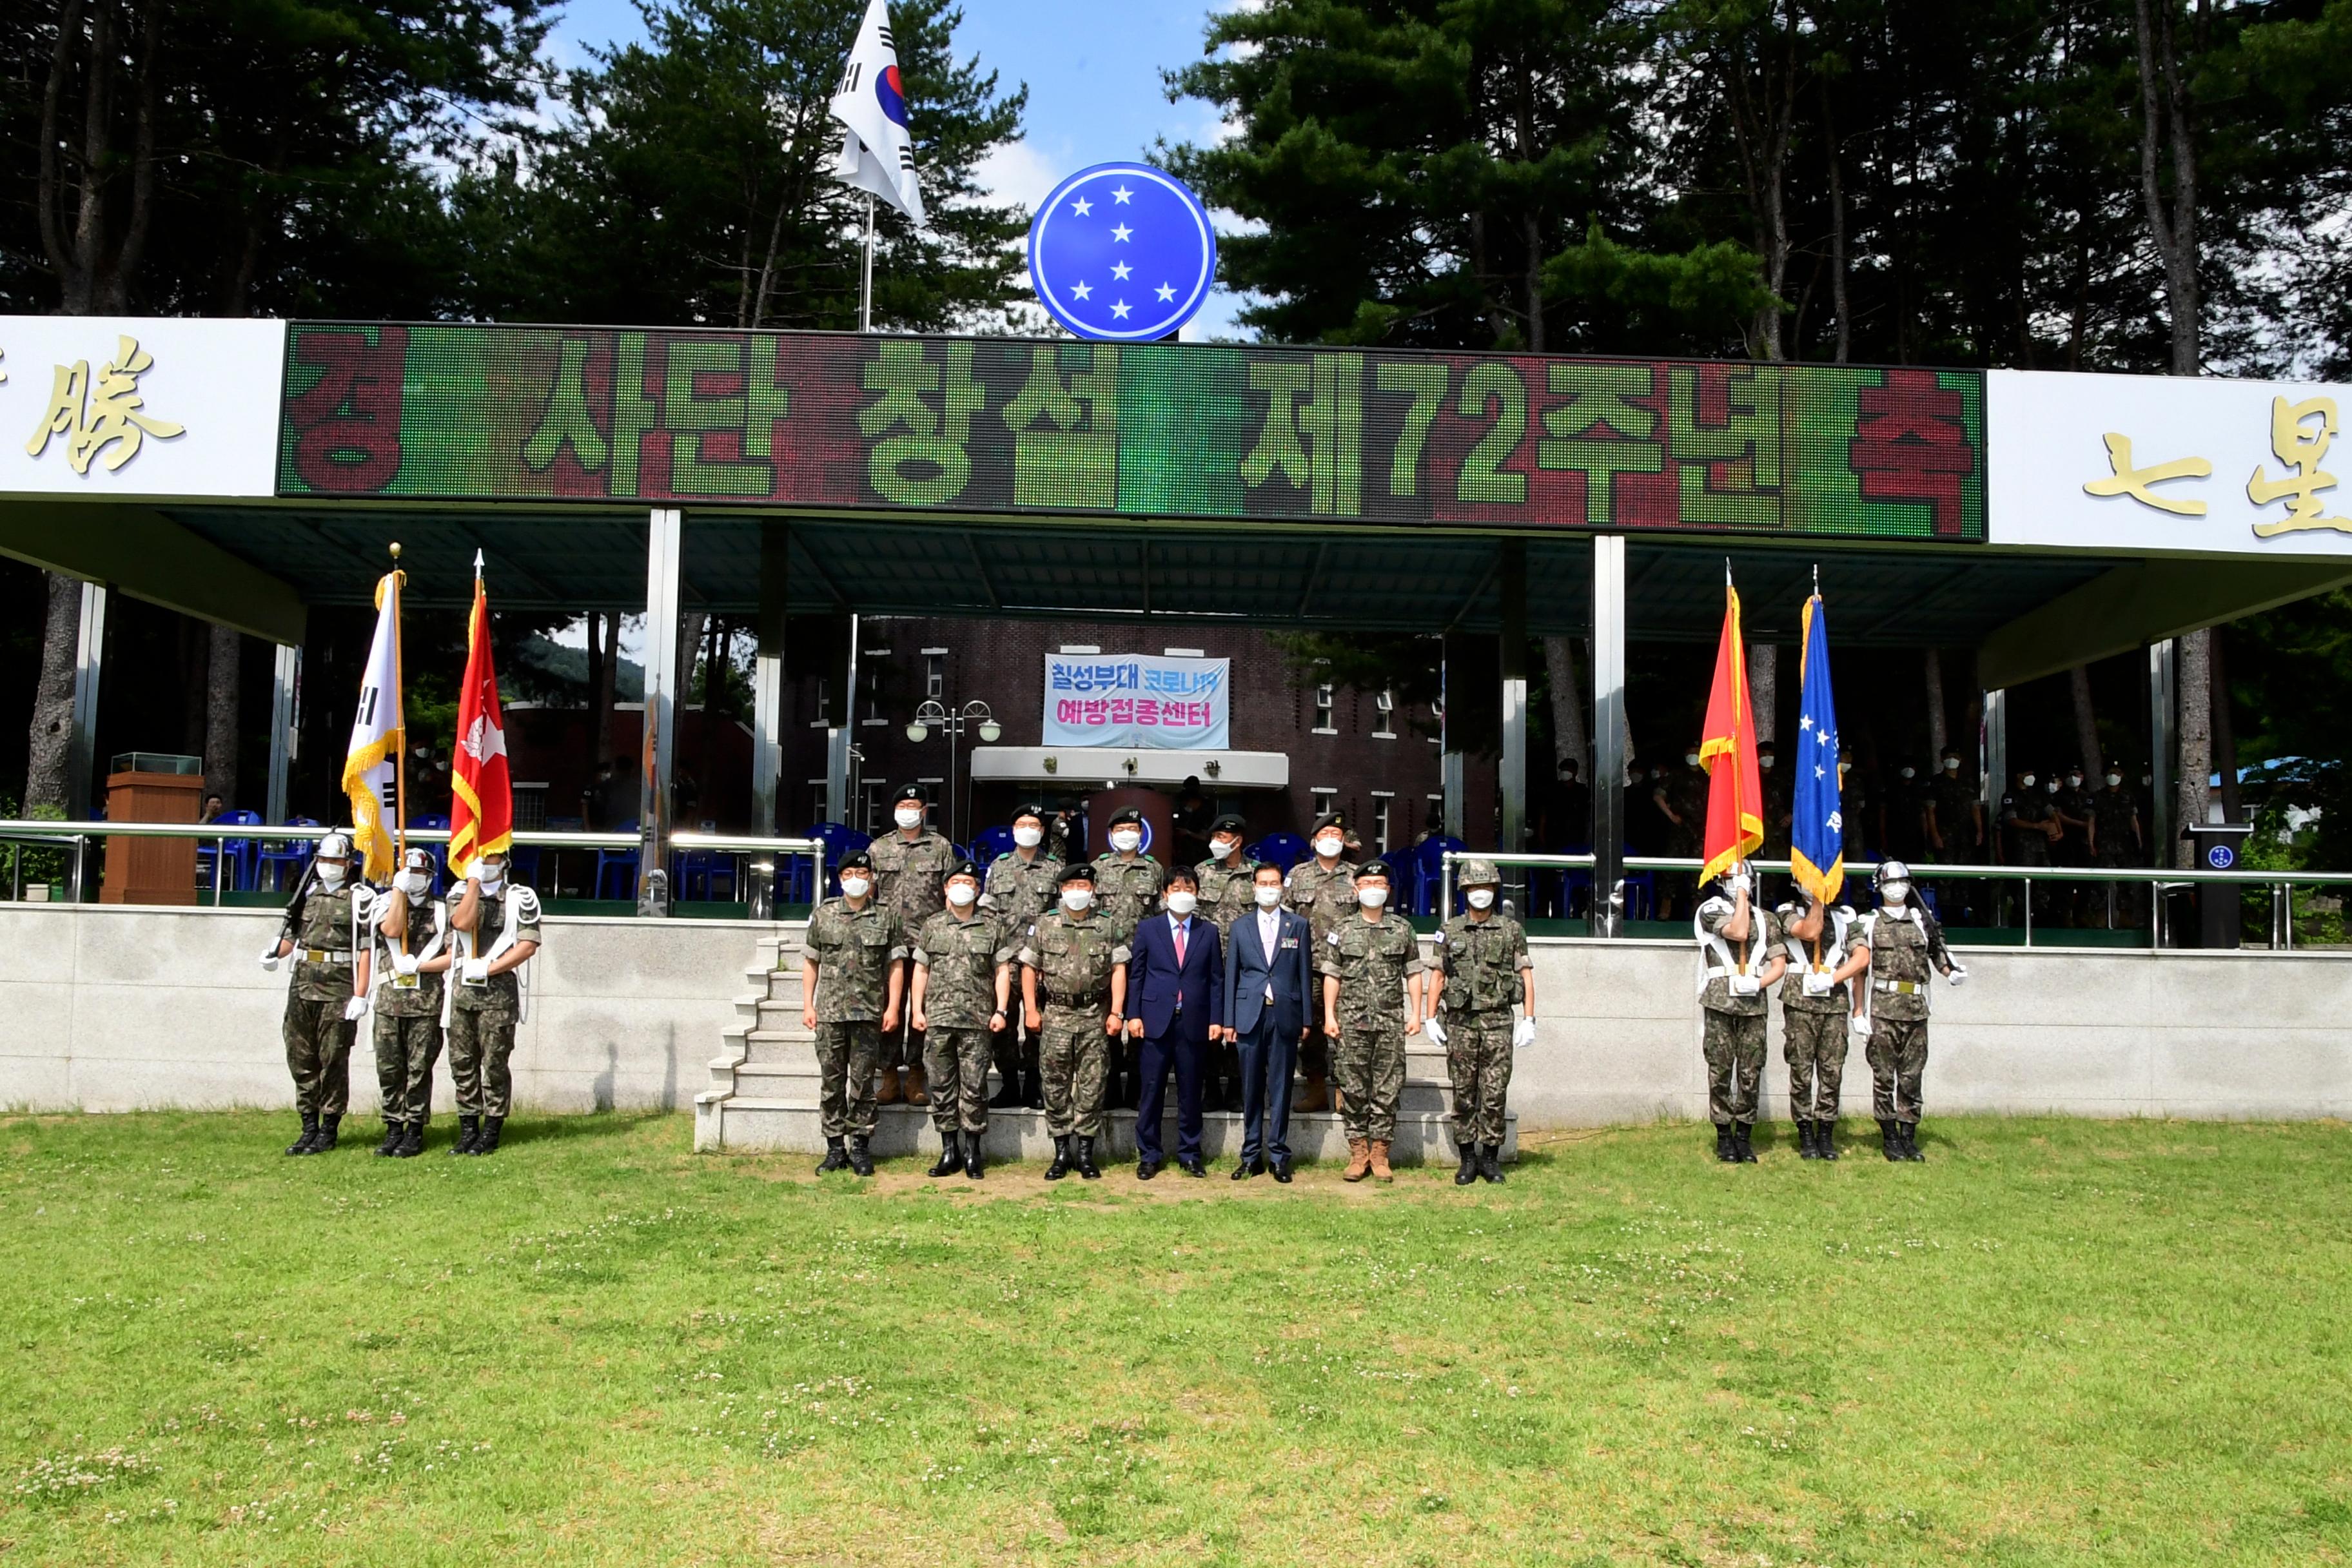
(1379, 1156)
(1360, 1161)
(918, 1087)
(887, 1093)
(1317, 1096)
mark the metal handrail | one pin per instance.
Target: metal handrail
(76, 835)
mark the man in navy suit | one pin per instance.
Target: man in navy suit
(1269, 980)
(1176, 1000)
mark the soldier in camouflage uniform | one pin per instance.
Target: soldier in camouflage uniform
(494, 932)
(2073, 804)
(1815, 1003)
(910, 870)
(1324, 891)
(2117, 842)
(1484, 977)
(1128, 885)
(2029, 827)
(1225, 896)
(1906, 942)
(1371, 969)
(851, 976)
(328, 993)
(408, 931)
(963, 989)
(1074, 991)
(1021, 883)
(1680, 797)
(1740, 960)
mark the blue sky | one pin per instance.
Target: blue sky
(1094, 85)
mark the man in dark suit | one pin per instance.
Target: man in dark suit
(1176, 996)
(1269, 980)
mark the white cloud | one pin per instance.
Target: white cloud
(1018, 172)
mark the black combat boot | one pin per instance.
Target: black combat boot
(1805, 1150)
(950, 1159)
(1085, 1160)
(1490, 1164)
(1890, 1141)
(860, 1160)
(1825, 1141)
(1740, 1133)
(325, 1141)
(836, 1158)
(468, 1129)
(1061, 1165)
(411, 1141)
(1469, 1171)
(392, 1134)
(973, 1165)
(1910, 1131)
(309, 1134)
(486, 1141)
(1725, 1150)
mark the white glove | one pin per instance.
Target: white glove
(355, 1009)
(1740, 884)
(270, 961)
(475, 971)
(1744, 985)
(1523, 1033)
(1817, 984)
(1434, 1030)
(1858, 1026)
(1957, 975)
(404, 963)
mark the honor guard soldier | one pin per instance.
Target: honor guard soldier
(1324, 891)
(409, 932)
(910, 868)
(1371, 969)
(1021, 884)
(1739, 958)
(1906, 942)
(1127, 884)
(1484, 978)
(1823, 958)
(1225, 897)
(323, 934)
(493, 932)
(963, 990)
(1074, 993)
(852, 977)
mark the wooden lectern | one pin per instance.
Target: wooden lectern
(151, 870)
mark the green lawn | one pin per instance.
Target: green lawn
(2055, 1343)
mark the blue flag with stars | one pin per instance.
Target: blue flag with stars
(1816, 826)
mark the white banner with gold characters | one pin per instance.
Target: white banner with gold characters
(126, 407)
(2187, 464)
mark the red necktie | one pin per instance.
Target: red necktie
(1179, 943)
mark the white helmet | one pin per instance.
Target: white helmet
(1890, 872)
(335, 846)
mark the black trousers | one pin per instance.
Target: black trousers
(1190, 1059)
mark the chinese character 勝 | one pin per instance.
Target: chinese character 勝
(92, 423)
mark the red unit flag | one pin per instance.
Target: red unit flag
(1735, 786)
(481, 805)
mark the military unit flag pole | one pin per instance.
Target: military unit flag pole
(1817, 830)
(379, 735)
(481, 789)
(877, 151)
(1735, 789)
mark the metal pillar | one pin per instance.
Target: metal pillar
(2163, 741)
(284, 719)
(81, 745)
(1511, 777)
(768, 676)
(1608, 732)
(664, 531)
(1452, 778)
(1992, 756)
(838, 742)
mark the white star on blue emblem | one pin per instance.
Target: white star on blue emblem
(1083, 291)
(1118, 309)
(1082, 206)
(1122, 193)
(1119, 270)
(1122, 232)
(1166, 291)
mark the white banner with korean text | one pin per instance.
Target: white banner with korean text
(1137, 699)
(2162, 463)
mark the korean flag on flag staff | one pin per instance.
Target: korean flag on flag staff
(1816, 825)
(878, 150)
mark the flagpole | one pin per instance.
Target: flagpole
(400, 753)
(865, 287)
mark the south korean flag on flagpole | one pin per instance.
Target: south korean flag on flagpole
(877, 153)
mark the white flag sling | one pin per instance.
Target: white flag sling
(877, 151)
(377, 736)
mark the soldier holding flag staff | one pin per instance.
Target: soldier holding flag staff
(1816, 930)
(1906, 942)
(494, 926)
(327, 994)
(408, 932)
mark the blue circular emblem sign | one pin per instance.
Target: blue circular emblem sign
(1122, 253)
(2221, 857)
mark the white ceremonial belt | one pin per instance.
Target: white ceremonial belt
(1902, 987)
(320, 956)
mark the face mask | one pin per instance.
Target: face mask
(1182, 903)
(1907, 772)
(854, 886)
(962, 894)
(1266, 897)
(1845, 767)
(1482, 898)
(908, 815)
(2145, 779)
(2075, 781)
(2114, 779)
(1690, 759)
(1330, 847)
(1371, 898)
(1765, 762)
(331, 874)
(1952, 765)
(492, 877)
(1895, 892)
(1126, 839)
(2053, 786)
(1028, 837)
(2025, 779)
(1076, 899)
(413, 883)
(1222, 848)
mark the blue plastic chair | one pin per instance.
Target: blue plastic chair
(1427, 872)
(1283, 850)
(987, 846)
(838, 840)
(230, 858)
(276, 855)
(698, 872)
(618, 867)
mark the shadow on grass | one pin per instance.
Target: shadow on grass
(566, 1128)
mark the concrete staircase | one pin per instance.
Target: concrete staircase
(764, 1095)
